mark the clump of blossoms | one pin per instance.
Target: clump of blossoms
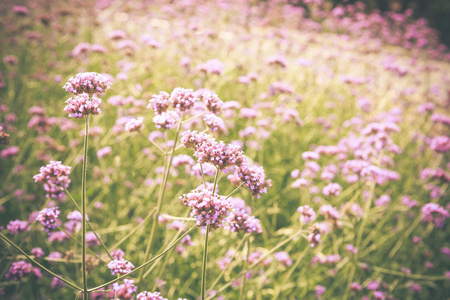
(17, 226)
(219, 154)
(134, 124)
(150, 296)
(240, 221)
(213, 102)
(166, 120)
(120, 266)
(55, 177)
(159, 102)
(18, 270)
(82, 105)
(89, 83)
(314, 235)
(432, 212)
(207, 208)
(125, 290)
(254, 178)
(182, 99)
(307, 214)
(48, 217)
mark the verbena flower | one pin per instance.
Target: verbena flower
(254, 178)
(118, 254)
(193, 139)
(213, 102)
(283, 257)
(182, 99)
(38, 252)
(17, 226)
(18, 270)
(150, 296)
(166, 120)
(120, 266)
(433, 212)
(240, 221)
(307, 214)
(207, 208)
(219, 154)
(125, 290)
(134, 124)
(159, 102)
(48, 217)
(82, 105)
(89, 83)
(55, 177)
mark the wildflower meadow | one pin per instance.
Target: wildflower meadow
(242, 149)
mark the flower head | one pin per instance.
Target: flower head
(89, 83)
(134, 124)
(82, 105)
(48, 217)
(166, 120)
(55, 177)
(150, 296)
(120, 266)
(182, 99)
(307, 214)
(18, 270)
(240, 221)
(159, 102)
(207, 208)
(125, 290)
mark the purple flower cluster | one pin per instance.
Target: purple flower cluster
(17, 226)
(89, 83)
(240, 221)
(215, 123)
(134, 124)
(120, 266)
(55, 177)
(440, 144)
(166, 120)
(48, 217)
(159, 102)
(183, 99)
(82, 105)
(254, 178)
(307, 214)
(150, 296)
(18, 270)
(284, 258)
(125, 290)
(432, 212)
(314, 235)
(213, 102)
(118, 254)
(219, 154)
(207, 208)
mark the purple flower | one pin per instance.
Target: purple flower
(17, 226)
(120, 266)
(440, 144)
(432, 212)
(213, 102)
(193, 139)
(117, 254)
(125, 290)
(253, 178)
(215, 123)
(38, 252)
(219, 154)
(55, 177)
(57, 284)
(182, 99)
(159, 102)
(89, 83)
(240, 221)
(207, 208)
(91, 239)
(166, 120)
(48, 217)
(150, 296)
(319, 291)
(284, 258)
(9, 152)
(18, 270)
(332, 189)
(307, 214)
(82, 105)
(134, 124)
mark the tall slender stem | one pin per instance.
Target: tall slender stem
(160, 200)
(242, 290)
(205, 254)
(83, 207)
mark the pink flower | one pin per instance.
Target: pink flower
(284, 258)
(166, 120)
(207, 208)
(89, 83)
(159, 102)
(125, 290)
(240, 221)
(17, 226)
(55, 177)
(83, 105)
(134, 124)
(48, 217)
(150, 296)
(307, 214)
(182, 99)
(120, 266)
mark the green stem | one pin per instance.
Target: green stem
(145, 264)
(241, 292)
(72, 285)
(167, 167)
(215, 181)
(205, 254)
(89, 224)
(234, 191)
(83, 200)
(79, 243)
